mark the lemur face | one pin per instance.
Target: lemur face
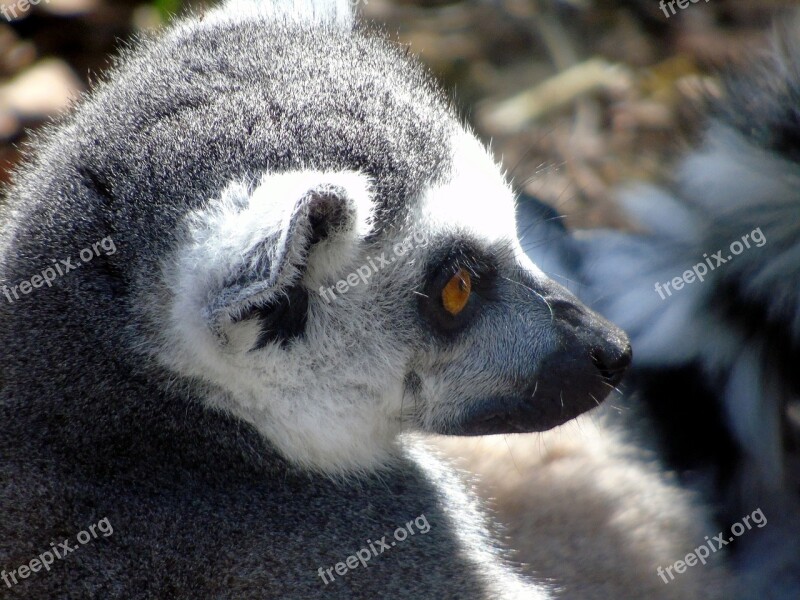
(509, 350)
(363, 277)
(332, 335)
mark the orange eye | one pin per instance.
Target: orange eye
(456, 293)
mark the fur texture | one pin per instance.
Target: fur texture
(591, 513)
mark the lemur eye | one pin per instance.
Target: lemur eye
(456, 292)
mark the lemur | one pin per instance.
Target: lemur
(313, 259)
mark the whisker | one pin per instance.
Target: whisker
(552, 314)
(511, 454)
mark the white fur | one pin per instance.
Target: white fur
(469, 523)
(311, 401)
(239, 225)
(475, 201)
(476, 198)
(589, 513)
(338, 13)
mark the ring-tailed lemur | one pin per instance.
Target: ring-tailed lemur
(312, 256)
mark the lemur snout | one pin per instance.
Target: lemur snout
(607, 345)
(586, 360)
(590, 361)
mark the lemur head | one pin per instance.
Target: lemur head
(368, 280)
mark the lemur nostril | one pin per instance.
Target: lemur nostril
(611, 365)
(605, 373)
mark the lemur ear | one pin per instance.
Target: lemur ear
(260, 241)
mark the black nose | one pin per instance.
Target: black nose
(588, 334)
(589, 361)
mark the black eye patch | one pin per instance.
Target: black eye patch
(460, 262)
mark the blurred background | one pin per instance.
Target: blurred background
(574, 95)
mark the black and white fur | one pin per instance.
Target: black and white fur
(237, 429)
